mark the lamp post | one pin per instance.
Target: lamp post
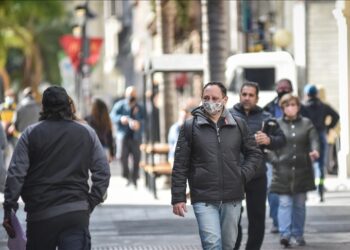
(82, 88)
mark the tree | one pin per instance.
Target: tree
(214, 39)
(168, 14)
(34, 29)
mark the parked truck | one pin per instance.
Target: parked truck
(265, 68)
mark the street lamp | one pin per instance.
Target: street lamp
(82, 89)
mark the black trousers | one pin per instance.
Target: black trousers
(255, 191)
(130, 146)
(68, 231)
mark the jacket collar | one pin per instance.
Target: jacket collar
(202, 117)
(239, 108)
(296, 119)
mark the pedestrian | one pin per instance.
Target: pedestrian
(317, 111)
(208, 156)
(268, 136)
(7, 110)
(100, 121)
(128, 116)
(174, 131)
(292, 170)
(283, 86)
(27, 111)
(50, 171)
(3, 170)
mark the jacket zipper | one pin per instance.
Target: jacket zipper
(220, 161)
(293, 169)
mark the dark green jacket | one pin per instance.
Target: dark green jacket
(292, 166)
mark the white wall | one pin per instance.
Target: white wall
(322, 49)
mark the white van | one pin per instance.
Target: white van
(265, 68)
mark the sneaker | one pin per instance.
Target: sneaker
(284, 241)
(274, 230)
(300, 241)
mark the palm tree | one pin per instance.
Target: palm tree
(214, 39)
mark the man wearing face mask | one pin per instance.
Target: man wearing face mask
(283, 86)
(268, 135)
(210, 161)
(128, 117)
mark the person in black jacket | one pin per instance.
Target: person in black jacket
(317, 112)
(269, 136)
(210, 161)
(50, 169)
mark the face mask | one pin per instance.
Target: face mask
(291, 110)
(9, 100)
(132, 99)
(212, 108)
(280, 94)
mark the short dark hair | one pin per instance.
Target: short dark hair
(219, 84)
(285, 80)
(251, 84)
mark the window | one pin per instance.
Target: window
(266, 77)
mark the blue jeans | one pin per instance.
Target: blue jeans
(319, 164)
(272, 198)
(291, 215)
(218, 224)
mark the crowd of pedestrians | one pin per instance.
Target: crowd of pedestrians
(286, 135)
(219, 156)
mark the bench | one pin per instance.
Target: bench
(155, 164)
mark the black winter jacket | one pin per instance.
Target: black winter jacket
(292, 167)
(212, 163)
(255, 120)
(271, 107)
(50, 169)
(317, 111)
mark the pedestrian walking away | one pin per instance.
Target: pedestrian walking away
(3, 170)
(283, 86)
(208, 156)
(100, 121)
(128, 117)
(268, 136)
(317, 111)
(27, 111)
(293, 173)
(50, 169)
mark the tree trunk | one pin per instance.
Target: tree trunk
(38, 71)
(214, 39)
(168, 15)
(33, 70)
(167, 90)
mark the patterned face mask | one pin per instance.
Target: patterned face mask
(212, 108)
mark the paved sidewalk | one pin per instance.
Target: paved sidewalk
(132, 219)
(135, 220)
